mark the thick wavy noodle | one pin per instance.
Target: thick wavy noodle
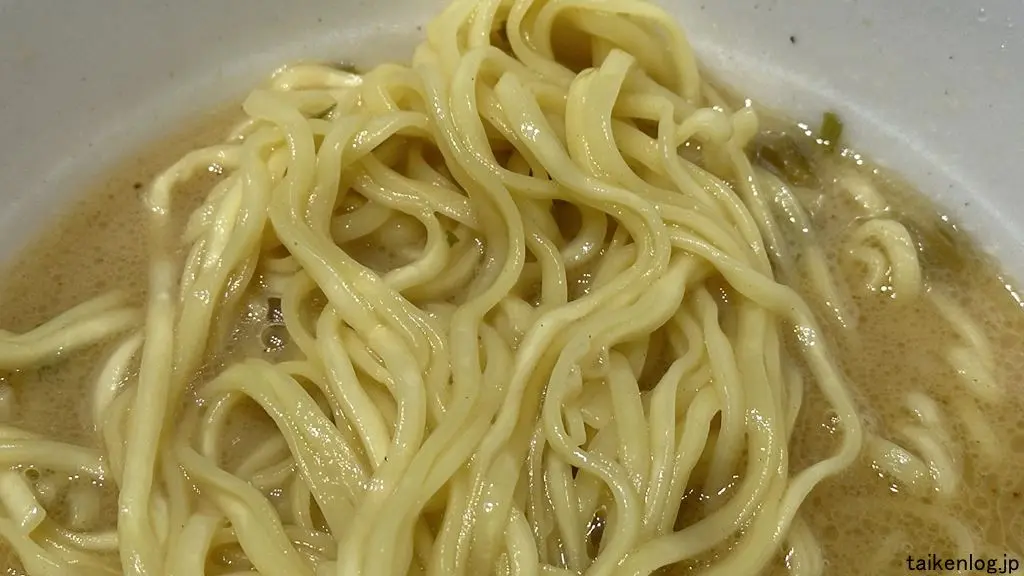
(526, 306)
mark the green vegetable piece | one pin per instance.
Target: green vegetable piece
(831, 131)
(781, 154)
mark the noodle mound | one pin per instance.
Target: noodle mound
(522, 309)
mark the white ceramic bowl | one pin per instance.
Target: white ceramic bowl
(931, 88)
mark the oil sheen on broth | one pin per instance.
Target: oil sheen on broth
(866, 522)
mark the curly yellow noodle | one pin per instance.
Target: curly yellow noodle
(535, 312)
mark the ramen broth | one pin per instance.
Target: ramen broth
(866, 522)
